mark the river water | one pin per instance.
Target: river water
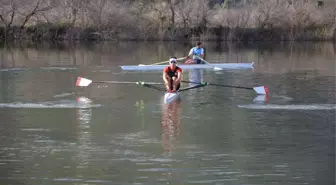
(53, 132)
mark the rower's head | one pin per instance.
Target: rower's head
(172, 62)
(198, 44)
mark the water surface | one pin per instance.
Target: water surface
(55, 133)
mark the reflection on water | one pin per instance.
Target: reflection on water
(267, 58)
(83, 133)
(171, 115)
(261, 99)
(290, 107)
(41, 69)
(52, 132)
(81, 103)
(195, 75)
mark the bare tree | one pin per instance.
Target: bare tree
(138, 14)
(8, 11)
(28, 9)
(266, 13)
(239, 18)
(201, 12)
(159, 15)
(172, 4)
(96, 10)
(116, 18)
(184, 11)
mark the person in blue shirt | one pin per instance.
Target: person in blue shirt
(194, 53)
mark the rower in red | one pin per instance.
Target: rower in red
(172, 76)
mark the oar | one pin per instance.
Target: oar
(193, 87)
(258, 89)
(161, 62)
(84, 82)
(206, 62)
(202, 59)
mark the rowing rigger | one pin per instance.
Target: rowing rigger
(169, 96)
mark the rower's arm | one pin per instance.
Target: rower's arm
(202, 54)
(179, 76)
(164, 76)
(190, 52)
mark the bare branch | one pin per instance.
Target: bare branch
(40, 6)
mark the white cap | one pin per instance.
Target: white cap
(172, 60)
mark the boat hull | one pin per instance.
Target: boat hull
(170, 97)
(189, 66)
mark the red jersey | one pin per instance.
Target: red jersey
(172, 73)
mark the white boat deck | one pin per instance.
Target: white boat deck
(169, 97)
(189, 66)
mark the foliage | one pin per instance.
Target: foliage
(168, 19)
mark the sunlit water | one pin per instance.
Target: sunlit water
(55, 133)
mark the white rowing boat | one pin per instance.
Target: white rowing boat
(189, 66)
(169, 97)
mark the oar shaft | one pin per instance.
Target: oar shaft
(220, 85)
(112, 82)
(203, 60)
(159, 63)
(84, 82)
(125, 82)
(194, 87)
(240, 87)
(167, 61)
(154, 87)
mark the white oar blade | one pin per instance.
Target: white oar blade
(217, 68)
(261, 90)
(83, 82)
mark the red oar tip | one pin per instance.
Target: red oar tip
(78, 81)
(261, 89)
(82, 82)
(266, 89)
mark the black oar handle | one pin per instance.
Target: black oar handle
(194, 87)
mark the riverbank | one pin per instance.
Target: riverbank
(50, 32)
(122, 20)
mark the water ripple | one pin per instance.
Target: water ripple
(45, 105)
(40, 68)
(290, 107)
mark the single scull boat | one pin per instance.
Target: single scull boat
(215, 66)
(170, 96)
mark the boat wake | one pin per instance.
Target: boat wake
(276, 98)
(11, 69)
(58, 68)
(289, 106)
(63, 95)
(81, 103)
